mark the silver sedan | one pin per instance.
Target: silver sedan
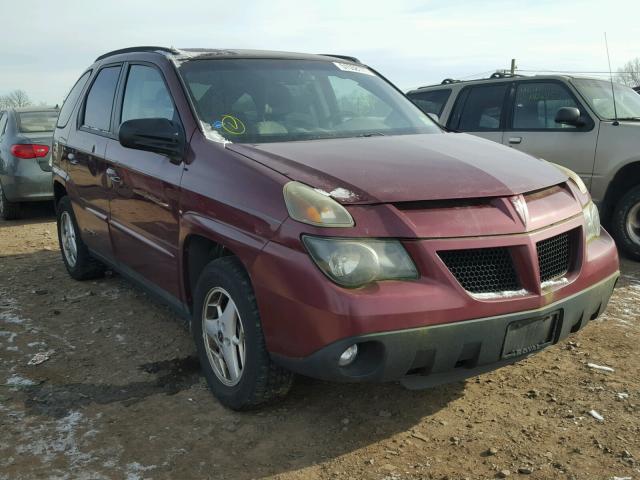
(25, 151)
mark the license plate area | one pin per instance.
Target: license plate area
(529, 335)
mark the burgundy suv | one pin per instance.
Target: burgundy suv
(306, 217)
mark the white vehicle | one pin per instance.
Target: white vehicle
(567, 120)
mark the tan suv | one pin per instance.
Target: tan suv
(566, 120)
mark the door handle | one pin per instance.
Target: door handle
(515, 140)
(113, 177)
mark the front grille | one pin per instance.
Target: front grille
(482, 270)
(554, 256)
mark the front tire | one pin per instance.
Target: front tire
(75, 254)
(8, 210)
(228, 334)
(625, 223)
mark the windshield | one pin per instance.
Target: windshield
(598, 94)
(267, 100)
(32, 122)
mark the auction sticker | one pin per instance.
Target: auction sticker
(347, 67)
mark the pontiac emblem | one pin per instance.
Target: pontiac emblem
(521, 207)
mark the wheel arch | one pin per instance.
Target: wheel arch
(203, 240)
(623, 180)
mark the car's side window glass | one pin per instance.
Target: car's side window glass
(146, 95)
(71, 100)
(483, 108)
(537, 103)
(432, 101)
(99, 103)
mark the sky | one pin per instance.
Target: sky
(47, 44)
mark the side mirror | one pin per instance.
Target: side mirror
(569, 116)
(434, 117)
(157, 135)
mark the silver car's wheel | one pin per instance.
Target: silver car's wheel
(223, 336)
(8, 210)
(633, 223)
(68, 239)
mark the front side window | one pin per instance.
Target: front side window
(146, 95)
(71, 100)
(432, 101)
(32, 122)
(267, 100)
(599, 95)
(99, 103)
(537, 104)
(482, 109)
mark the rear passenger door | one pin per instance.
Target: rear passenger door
(481, 110)
(86, 167)
(532, 127)
(145, 187)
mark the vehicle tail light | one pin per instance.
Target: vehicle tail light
(29, 150)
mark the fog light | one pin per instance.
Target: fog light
(348, 356)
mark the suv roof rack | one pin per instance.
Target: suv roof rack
(343, 57)
(493, 76)
(145, 48)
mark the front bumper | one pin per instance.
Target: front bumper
(427, 356)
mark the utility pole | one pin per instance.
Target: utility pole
(513, 66)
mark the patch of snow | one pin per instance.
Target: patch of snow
(558, 282)
(596, 415)
(342, 194)
(41, 357)
(498, 295)
(212, 134)
(11, 336)
(603, 368)
(18, 381)
(135, 469)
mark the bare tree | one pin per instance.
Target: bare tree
(15, 99)
(629, 73)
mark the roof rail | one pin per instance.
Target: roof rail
(145, 48)
(447, 81)
(343, 57)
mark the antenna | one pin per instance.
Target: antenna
(613, 93)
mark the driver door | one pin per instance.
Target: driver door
(532, 127)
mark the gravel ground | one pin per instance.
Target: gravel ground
(120, 396)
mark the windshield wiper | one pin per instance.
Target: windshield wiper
(372, 134)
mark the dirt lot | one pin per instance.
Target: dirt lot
(121, 397)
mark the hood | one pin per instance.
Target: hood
(405, 168)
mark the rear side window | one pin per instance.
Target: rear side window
(146, 95)
(72, 99)
(432, 101)
(99, 103)
(537, 103)
(32, 122)
(482, 109)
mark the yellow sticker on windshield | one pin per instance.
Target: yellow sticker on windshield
(232, 125)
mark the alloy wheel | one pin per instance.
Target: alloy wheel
(68, 239)
(223, 336)
(633, 223)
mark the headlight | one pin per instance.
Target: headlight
(591, 221)
(356, 262)
(573, 176)
(307, 205)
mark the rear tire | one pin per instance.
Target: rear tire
(75, 254)
(225, 284)
(625, 223)
(8, 210)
